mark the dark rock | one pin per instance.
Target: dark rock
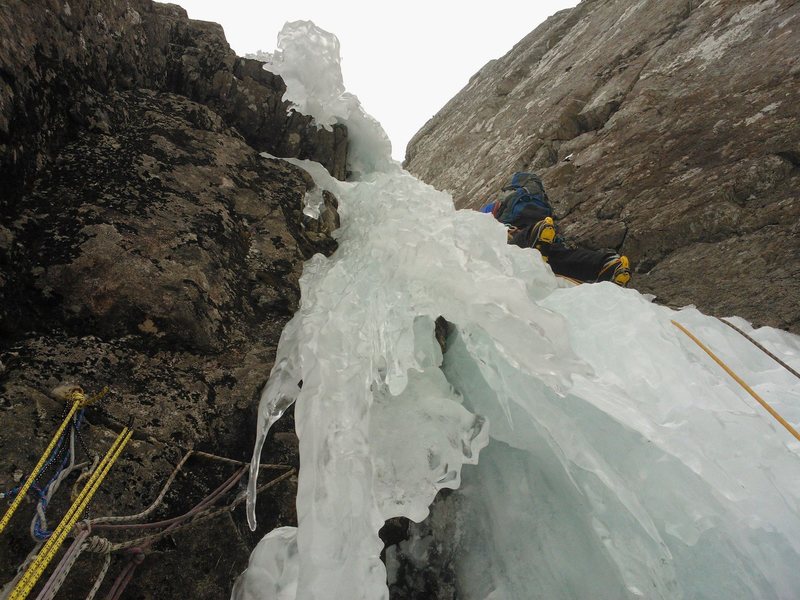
(421, 557)
(679, 119)
(58, 60)
(145, 245)
(169, 225)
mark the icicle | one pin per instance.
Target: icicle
(278, 394)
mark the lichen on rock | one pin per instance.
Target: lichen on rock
(145, 245)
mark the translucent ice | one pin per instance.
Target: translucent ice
(273, 567)
(308, 60)
(621, 462)
(361, 344)
(657, 475)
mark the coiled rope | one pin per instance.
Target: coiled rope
(43, 558)
(55, 581)
(198, 517)
(137, 548)
(741, 382)
(201, 512)
(77, 400)
(38, 528)
(100, 577)
(73, 419)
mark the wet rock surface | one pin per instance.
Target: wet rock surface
(678, 120)
(145, 245)
(421, 557)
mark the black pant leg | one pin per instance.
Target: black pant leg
(522, 237)
(577, 263)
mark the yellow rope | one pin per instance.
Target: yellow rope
(741, 382)
(75, 511)
(78, 400)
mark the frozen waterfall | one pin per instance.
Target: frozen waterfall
(608, 456)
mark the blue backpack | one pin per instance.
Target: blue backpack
(526, 203)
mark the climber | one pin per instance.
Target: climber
(527, 213)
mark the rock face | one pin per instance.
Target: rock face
(145, 245)
(59, 59)
(680, 121)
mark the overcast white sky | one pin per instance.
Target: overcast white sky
(405, 60)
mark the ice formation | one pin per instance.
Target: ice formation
(308, 60)
(614, 459)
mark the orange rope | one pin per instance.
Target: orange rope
(741, 382)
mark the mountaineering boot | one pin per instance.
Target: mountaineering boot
(622, 272)
(544, 232)
(616, 269)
